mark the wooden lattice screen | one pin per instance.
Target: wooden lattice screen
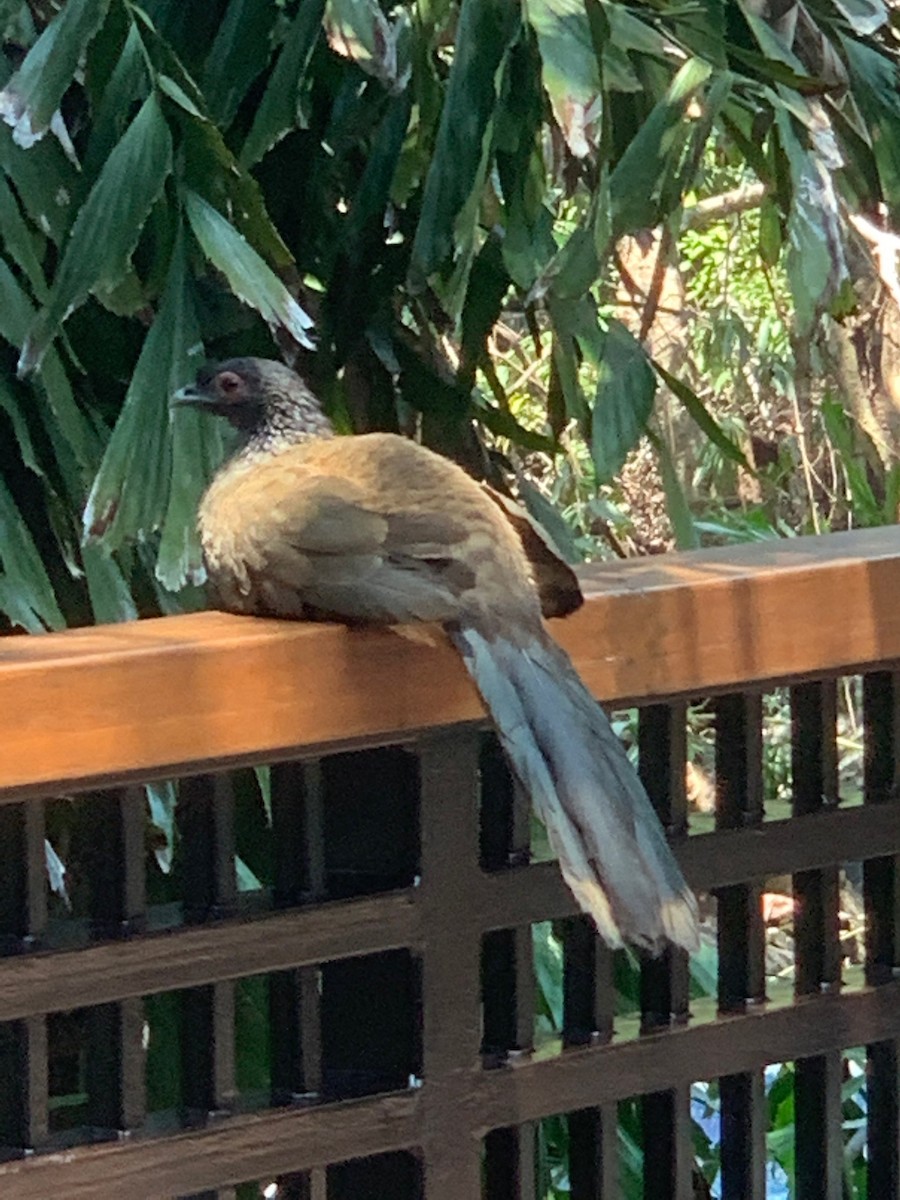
(394, 943)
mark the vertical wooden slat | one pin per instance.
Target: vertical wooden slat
(24, 1120)
(507, 984)
(509, 1165)
(589, 994)
(36, 1125)
(395, 1176)
(115, 1057)
(451, 1000)
(817, 1106)
(369, 1034)
(594, 1153)
(23, 886)
(741, 940)
(817, 1081)
(299, 874)
(500, 840)
(588, 1007)
(507, 974)
(665, 1116)
(881, 889)
(668, 1145)
(361, 835)
(205, 817)
(744, 1118)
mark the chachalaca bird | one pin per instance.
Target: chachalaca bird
(377, 528)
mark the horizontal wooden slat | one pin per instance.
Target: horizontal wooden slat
(683, 1054)
(160, 696)
(235, 1150)
(196, 955)
(714, 860)
(193, 956)
(260, 1147)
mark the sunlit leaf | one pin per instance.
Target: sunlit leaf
(634, 181)
(249, 277)
(213, 172)
(161, 802)
(56, 873)
(569, 69)
(33, 95)
(108, 225)
(865, 16)
(359, 30)
(815, 241)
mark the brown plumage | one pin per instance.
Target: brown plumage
(377, 528)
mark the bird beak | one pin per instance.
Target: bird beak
(190, 394)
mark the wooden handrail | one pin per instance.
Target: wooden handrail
(162, 696)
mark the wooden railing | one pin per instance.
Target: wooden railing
(394, 936)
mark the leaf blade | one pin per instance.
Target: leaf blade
(623, 402)
(485, 33)
(33, 95)
(248, 275)
(108, 225)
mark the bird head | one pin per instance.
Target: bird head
(260, 397)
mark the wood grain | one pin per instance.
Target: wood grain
(262, 1146)
(161, 696)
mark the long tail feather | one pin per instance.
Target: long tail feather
(611, 847)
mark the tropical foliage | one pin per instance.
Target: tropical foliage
(189, 179)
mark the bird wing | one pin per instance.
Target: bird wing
(314, 541)
(556, 582)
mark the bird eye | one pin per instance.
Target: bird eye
(229, 382)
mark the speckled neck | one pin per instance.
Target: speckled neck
(288, 420)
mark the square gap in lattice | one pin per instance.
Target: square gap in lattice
(94, 1085)
(237, 842)
(345, 1029)
(817, 1127)
(815, 914)
(393, 1176)
(557, 985)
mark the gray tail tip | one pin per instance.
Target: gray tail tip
(679, 920)
(675, 921)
